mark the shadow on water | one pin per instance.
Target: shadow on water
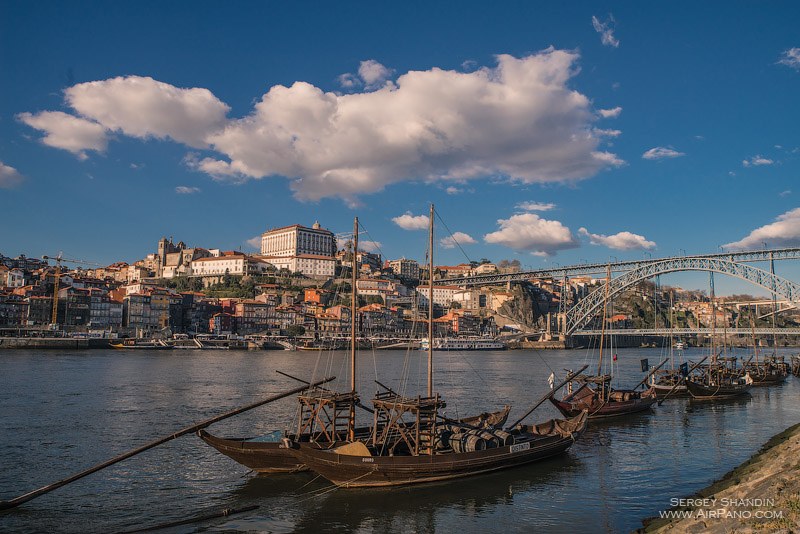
(718, 405)
(424, 508)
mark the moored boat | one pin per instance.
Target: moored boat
(358, 465)
(463, 343)
(268, 455)
(595, 393)
(724, 388)
(602, 401)
(409, 445)
(326, 420)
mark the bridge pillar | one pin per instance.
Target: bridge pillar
(549, 328)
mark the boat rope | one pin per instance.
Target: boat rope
(309, 482)
(453, 237)
(313, 494)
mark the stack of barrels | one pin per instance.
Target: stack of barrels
(463, 439)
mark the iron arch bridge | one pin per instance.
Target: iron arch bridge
(582, 312)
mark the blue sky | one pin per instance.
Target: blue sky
(549, 134)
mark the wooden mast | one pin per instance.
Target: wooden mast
(353, 331)
(430, 303)
(603, 326)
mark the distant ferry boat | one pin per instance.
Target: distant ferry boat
(462, 343)
(680, 345)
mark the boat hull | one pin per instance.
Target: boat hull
(574, 404)
(262, 457)
(272, 457)
(662, 390)
(701, 391)
(381, 471)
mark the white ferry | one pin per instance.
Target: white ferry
(462, 343)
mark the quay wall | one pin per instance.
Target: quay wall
(52, 343)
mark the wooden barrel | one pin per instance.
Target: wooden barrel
(505, 438)
(492, 441)
(467, 442)
(442, 439)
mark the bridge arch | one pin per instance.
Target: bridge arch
(582, 312)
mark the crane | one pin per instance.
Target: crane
(58, 259)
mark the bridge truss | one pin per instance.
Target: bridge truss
(582, 312)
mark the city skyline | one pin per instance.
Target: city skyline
(551, 135)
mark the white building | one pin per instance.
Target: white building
(229, 263)
(313, 265)
(15, 278)
(442, 295)
(298, 241)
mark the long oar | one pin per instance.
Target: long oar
(13, 503)
(650, 374)
(214, 515)
(679, 382)
(547, 396)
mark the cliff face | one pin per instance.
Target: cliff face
(526, 307)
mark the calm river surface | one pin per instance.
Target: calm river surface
(61, 412)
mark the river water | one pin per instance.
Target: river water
(61, 412)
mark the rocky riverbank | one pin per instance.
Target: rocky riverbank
(761, 495)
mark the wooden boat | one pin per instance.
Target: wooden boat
(327, 419)
(601, 401)
(268, 454)
(726, 388)
(669, 381)
(772, 371)
(357, 465)
(595, 393)
(408, 445)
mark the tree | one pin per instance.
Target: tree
(295, 330)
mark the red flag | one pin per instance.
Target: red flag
(615, 357)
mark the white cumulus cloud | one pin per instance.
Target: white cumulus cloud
(67, 132)
(536, 206)
(408, 221)
(606, 31)
(254, 242)
(791, 58)
(9, 176)
(619, 241)
(370, 246)
(373, 73)
(784, 232)
(612, 113)
(529, 232)
(143, 107)
(186, 190)
(458, 238)
(661, 152)
(608, 133)
(757, 161)
(519, 120)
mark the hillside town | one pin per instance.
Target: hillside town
(297, 286)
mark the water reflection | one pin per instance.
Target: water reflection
(426, 508)
(63, 412)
